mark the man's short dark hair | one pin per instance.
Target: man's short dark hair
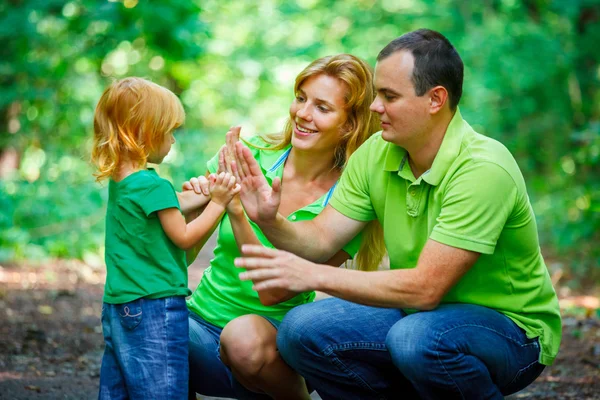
(436, 62)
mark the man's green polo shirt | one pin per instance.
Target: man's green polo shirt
(473, 198)
(221, 296)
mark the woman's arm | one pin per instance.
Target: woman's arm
(192, 203)
(244, 234)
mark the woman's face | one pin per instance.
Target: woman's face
(318, 113)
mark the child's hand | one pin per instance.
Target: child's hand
(223, 188)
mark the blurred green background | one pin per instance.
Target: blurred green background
(532, 81)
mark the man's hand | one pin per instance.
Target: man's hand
(277, 269)
(260, 200)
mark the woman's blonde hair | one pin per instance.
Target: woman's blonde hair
(357, 75)
(131, 120)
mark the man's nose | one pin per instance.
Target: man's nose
(377, 106)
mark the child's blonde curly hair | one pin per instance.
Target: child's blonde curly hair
(131, 120)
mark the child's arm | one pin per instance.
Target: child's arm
(200, 186)
(185, 236)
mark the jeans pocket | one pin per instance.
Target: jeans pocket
(130, 314)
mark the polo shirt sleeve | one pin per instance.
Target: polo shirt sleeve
(161, 195)
(475, 207)
(351, 196)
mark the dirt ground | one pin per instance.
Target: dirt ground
(51, 337)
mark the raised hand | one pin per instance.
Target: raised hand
(235, 205)
(223, 188)
(231, 138)
(260, 200)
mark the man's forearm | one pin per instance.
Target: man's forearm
(302, 238)
(394, 289)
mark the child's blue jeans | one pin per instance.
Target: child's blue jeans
(146, 350)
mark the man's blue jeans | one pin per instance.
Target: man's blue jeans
(146, 350)
(350, 351)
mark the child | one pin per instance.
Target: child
(144, 315)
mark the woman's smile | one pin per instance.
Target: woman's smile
(303, 132)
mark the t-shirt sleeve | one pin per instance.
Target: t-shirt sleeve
(477, 203)
(352, 197)
(160, 195)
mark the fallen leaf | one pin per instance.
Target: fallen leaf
(45, 309)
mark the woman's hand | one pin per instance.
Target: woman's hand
(260, 200)
(198, 184)
(226, 159)
(194, 196)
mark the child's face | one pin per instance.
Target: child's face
(158, 156)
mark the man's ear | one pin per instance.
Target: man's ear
(437, 98)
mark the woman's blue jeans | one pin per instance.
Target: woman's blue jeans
(146, 350)
(208, 375)
(457, 351)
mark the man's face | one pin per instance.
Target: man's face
(404, 115)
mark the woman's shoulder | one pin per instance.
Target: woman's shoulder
(258, 141)
(267, 143)
(265, 150)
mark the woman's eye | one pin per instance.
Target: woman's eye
(323, 108)
(300, 99)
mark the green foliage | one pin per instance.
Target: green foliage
(532, 82)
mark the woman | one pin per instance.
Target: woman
(233, 328)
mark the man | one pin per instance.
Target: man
(467, 309)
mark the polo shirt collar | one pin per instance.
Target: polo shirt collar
(448, 150)
(396, 158)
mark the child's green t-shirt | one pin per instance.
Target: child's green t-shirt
(141, 261)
